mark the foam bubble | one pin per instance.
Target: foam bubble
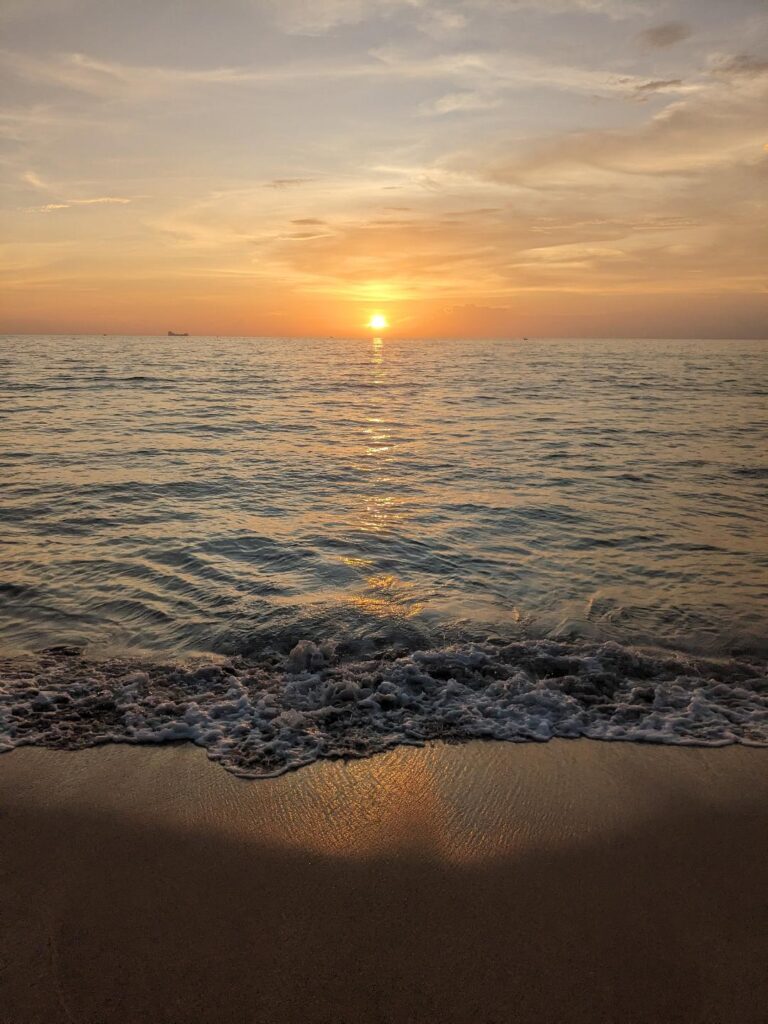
(262, 719)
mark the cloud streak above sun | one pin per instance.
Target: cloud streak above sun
(478, 167)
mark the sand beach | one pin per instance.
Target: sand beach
(486, 882)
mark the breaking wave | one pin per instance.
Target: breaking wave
(263, 719)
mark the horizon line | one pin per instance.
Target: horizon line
(388, 336)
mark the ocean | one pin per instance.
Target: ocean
(283, 550)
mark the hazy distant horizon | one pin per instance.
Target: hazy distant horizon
(389, 335)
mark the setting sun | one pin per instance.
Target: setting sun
(378, 322)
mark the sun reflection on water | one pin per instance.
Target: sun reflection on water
(389, 597)
(379, 509)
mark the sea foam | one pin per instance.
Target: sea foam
(264, 719)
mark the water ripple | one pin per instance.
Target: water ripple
(202, 494)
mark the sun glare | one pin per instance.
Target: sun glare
(378, 322)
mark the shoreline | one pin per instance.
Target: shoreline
(562, 883)
(259, 719)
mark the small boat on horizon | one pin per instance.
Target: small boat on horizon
(178, 334)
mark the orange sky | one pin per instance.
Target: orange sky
(467, 167)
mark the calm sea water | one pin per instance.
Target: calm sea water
(163, 496)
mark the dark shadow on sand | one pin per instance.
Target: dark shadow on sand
(109, 921)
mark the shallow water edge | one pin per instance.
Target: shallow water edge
(260, 719)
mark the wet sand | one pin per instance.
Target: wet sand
(489, 882)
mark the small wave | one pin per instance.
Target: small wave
(263, 719)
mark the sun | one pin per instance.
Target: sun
(378, 322)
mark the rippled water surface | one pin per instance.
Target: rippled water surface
(237, 495)
(286, 550)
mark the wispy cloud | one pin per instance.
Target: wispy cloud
(489, 71)
(281, 183)
(743, 64)
(68, 203)
(460, 103)
(61, 202)
(481, 71)
(666, 34)
(718, 124)
(112, 79)
(316, 17)
(33, 178)
(48, 208)
(660, 87)
(100, 200)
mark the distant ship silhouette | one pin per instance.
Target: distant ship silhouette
(178, 334)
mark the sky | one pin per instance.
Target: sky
(468, 168)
